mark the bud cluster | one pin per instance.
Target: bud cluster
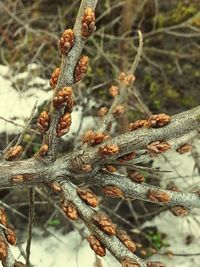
(96, 245)
(88, 22)
(158, 196)
(43, 121)
(63, 98)
(105, 223)
(126, 240)
(66, 41)
(127, 79)
(54, 78)
(112, 191)
(93, 138)
(88, 197)
(109, 150)
(64, 124)
(157, 147)
(137, 177)
(69, 209)
(14, 153)
(81, 68)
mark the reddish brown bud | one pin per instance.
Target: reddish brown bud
(63, 98)
(70, 210)
(137, 124)
(54, 78)
(184, 149)
(86, 168)
(118, 111)
(127, 157)
(102, 112)
(88, 197)
(3, 248)
(55, 186)
(105, 223)
(128, 262)
(112, 191)
(64, 124)
(81, 68)
(179, 211)
(158, 147)
(88, 22)
(137, 177)
(159, 120)
(19, 264)
(111, 168)
(17, 178)
(158, 196)
(126, 240)
(43, 150)
(96, 245)
(3, 217)
(94, 138)
(14, 153)
(127, 79)
(108, 150)
(66, 41)
(155, 264)
(113, 90)
(43, 121)
(10, 235)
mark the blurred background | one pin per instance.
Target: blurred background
(167, 81)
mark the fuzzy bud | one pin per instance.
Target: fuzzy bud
(105, 223)
(184, 149)
(64, 124)
(81, 68)
(54, 78)
(158, 196)
(112, 191)
(3, 217)
(88, 197)
(159, 120)
(88, 22)
(10, 235)
(96, 245)
(63, 98)
(158, 147)
(43, 122)
(179, 211)
(113, 90)
(3, 248)
(102, 112)
(66, 41)
(43, 150)
(137, 124)
(137, 177)
(14, 153)
(93, 138)
(109, 150)
(128, 262)
(70, 210)
(126, 240)
(127, 79)
(118, 111)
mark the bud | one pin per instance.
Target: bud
(113, 90)
(54, 78)
(105, 223)
(118, 111)
(10, 235)
(93, 138)
(111, 168)
(96, 245)
(88, 197)
(43, 150)
(66, 41)
(102, 112)
(17, 178)
(128, 262)
(179, 211)
(3, 248)
(159, 120)
(137, 124)
(127, 157)
(63, 97)
(184, 149)
(70, 210)
(43, 121)
(88, 22)
(158, 147)
(112, 191)
(64, 124)
(55, 186)
(3, 217)
(127, 79)
(137, 177)
(14, 153)
(126, 240)
(81, 68)
(109, 150)
(158, 196)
